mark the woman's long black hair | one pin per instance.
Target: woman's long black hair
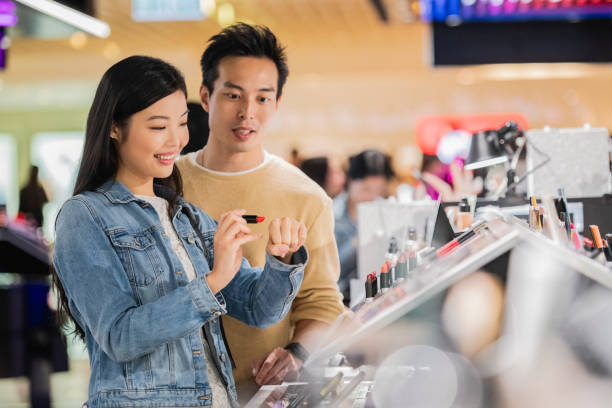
(128, 87)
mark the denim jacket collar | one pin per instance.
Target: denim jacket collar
(116, 192)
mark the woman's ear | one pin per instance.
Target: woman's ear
(115, 132)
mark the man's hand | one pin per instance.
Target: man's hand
(276, 367)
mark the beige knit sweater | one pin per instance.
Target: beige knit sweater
(274, 189)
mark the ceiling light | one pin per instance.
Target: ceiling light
(70, 16)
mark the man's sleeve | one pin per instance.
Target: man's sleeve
(319, 297)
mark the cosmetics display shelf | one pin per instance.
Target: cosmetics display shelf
(565, 255)
(497, 237)
(431, 278)
(26, 241)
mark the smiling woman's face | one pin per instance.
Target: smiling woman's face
(152, 141)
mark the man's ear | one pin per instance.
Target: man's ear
(278, 101)
(205, 98)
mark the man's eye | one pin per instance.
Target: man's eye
(158, 127)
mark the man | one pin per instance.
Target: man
(244, 69)
(369, 174)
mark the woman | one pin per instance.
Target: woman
(145, 275)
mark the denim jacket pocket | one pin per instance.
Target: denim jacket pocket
(138, 254)
(207, 247)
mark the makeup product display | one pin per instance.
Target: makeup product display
(476, 247)
(465, 218)
(29, 338)
(546, 255)
(379, 221)
(534, 214)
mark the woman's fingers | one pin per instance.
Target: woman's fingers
(226, 219)
(285, 235)
(275, 231)
(285, 231)
(239, 241)
(279, 250)
(302, 234)
(234, 229)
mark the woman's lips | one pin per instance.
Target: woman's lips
(165, 159)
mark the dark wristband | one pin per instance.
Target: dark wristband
(298, 351)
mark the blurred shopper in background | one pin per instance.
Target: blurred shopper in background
(294, 157)
(450, 181)
(32, 198)
(327, 173)
(369, 175)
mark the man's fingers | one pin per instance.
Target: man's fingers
(266, 367)
(279, 370)
(278, 373)
(256, 365)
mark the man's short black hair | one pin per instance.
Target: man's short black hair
(243, 40)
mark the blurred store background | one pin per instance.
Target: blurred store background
(363, 74)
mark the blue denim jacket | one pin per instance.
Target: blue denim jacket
(142, 318)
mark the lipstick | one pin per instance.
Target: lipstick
(608, 243)
(598, 242)
(596, 236)
(253, 219)
(533, 214)
(391, 258)
(459, 240)
(564, 217)
(401, 270)
(385, 278)
(374, 284)
(370, 287)
(412, 248)
(576, 239)
(455, 242)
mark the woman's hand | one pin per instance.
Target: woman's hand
(463, 183)
(232, 233)
(286, 237)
